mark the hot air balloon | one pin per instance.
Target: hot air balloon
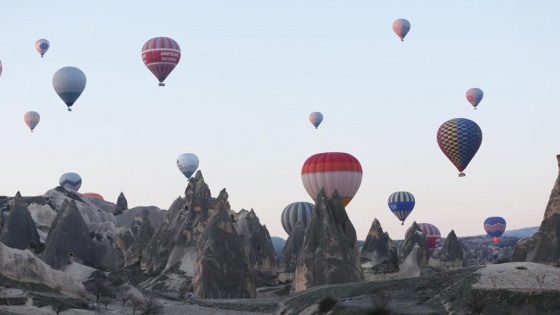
(459, 139)
(161, 55)
(278, 245)
(187, 164)
(0, 67)
(42, 45)
(495, 227)
(401, 204)
(69, 83)
(70, 181)
(431, 232)
(294, 212)
(316, 118)
(31, 119)
(474, 96)
(401, 28)
(94, 195)
(332, 171)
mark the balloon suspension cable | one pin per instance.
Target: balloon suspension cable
(462, 174)
(161, 84)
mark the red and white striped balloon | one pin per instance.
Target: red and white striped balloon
(161, 55)
(332, 171)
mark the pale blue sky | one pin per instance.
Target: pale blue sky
(250, 74)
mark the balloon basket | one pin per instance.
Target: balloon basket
(161, 84)
(462, 174)
(402, 223)
(69, 109)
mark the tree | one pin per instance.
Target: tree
(100, 288)
(136, 303)
(59, 306)
(152, 306)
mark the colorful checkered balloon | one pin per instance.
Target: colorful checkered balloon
(459, 139)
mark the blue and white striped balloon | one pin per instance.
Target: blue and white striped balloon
(70, 181)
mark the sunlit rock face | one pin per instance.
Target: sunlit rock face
(413, 254)
(222, 266)
(452, 254)
(19, 230)
(544, 246)
(329, 254)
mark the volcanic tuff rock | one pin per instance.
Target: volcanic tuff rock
(175, 240)
(68, 237)
(329, 254)
(256, 240)
(544, 246)
(222, 268)
(154, 215)
(378, 247)
(19, 229)
(140, 234)
(22, 265)
(292, 247)
(553, 205)
(413, 254)
(122, 204)
(452, 252)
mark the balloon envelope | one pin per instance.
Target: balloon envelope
(69, 83)
(401, 204)
(474, 96)
(459, 139)
(161, 55)
(495, 227)
(316, 118)
(94, 195)
(294, 212)
(70, 181)
(278, 245)
(187, 164)
(332, 171)
(31, 119)
(42, 45)
(401, 28)
(431, 232)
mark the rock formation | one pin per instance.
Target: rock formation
(19, 230)
(174, 242)
(256, 239)
(122, 204)
(452, 252)
(544, 246)
(139, 234)
(413, 254)
(222, 269)
(329, 254)
(68, 239)
(292, 247)
(153, 214)
(378, 248)
(25, 267)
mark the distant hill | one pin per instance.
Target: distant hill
(521, 233)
